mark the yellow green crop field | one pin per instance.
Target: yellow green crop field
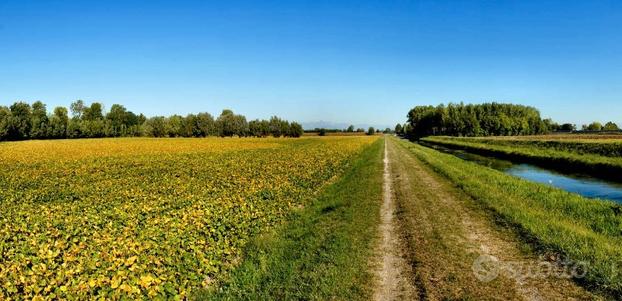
(148, 218)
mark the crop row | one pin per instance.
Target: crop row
(147, 218)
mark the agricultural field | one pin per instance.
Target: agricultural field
(146, 217)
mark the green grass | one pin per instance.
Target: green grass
(323, 252)
(602, 147)
(582, 229)
(596, 158)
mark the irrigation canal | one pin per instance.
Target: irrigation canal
(582, 184)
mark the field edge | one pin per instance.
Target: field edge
(321, 252)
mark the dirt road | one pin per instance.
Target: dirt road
(439, 244)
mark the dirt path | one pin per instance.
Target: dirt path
(394, 273)
(440, 244)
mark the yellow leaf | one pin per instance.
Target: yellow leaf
(115, 282)
(130, 261)
(145, 281)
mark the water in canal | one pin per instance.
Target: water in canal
(577, 183)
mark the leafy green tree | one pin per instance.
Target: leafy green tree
(371, 131)
(94, 112)
(610, 126)
(22, 121)
(74, 128)
(295, 130)
(486, 119)
(230, 124)
(119, 119)
(5, 116)
(156, 127)
(175, 126)
(398, 129)
(278, 127)
(77, 109)
(594, 126)
(19, 123)
(568, 127)
(59, 122)
(350, 129)
(38, 121)
(204, 125)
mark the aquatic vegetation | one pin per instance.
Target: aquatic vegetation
(148, 218)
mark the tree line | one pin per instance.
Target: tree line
(350, 129)
(22, 121)
(488, 119)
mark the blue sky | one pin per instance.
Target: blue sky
(361, 62)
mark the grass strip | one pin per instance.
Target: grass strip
(581, 229)
(323, 251)
(606, 167)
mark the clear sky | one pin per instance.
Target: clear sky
(362, 62)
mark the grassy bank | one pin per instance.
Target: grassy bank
(599, 159)
(323, 251)
(608, 147)
(584, 230)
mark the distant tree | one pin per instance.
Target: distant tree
(277, 126)
(371, 131)
(24, 121)
(550, 125)
(225, 123)
(94, 112)
(360, 130)
(567, 127)
(204, 125)
(610, 126)
(74, 128)
(230, 124)
(486, 119)
(156, 127)
(350, 129)
(5, 116)
(118, 117)
(174, 126)
(77, 109)
(387, 131)
(38, 121)
(407, 131)
(594, 126)
(58, 123)
(398, 129)
(19, 123)
(241, 125)
(322, 132)
(259, 128)
(95, 128)
(295, 130)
